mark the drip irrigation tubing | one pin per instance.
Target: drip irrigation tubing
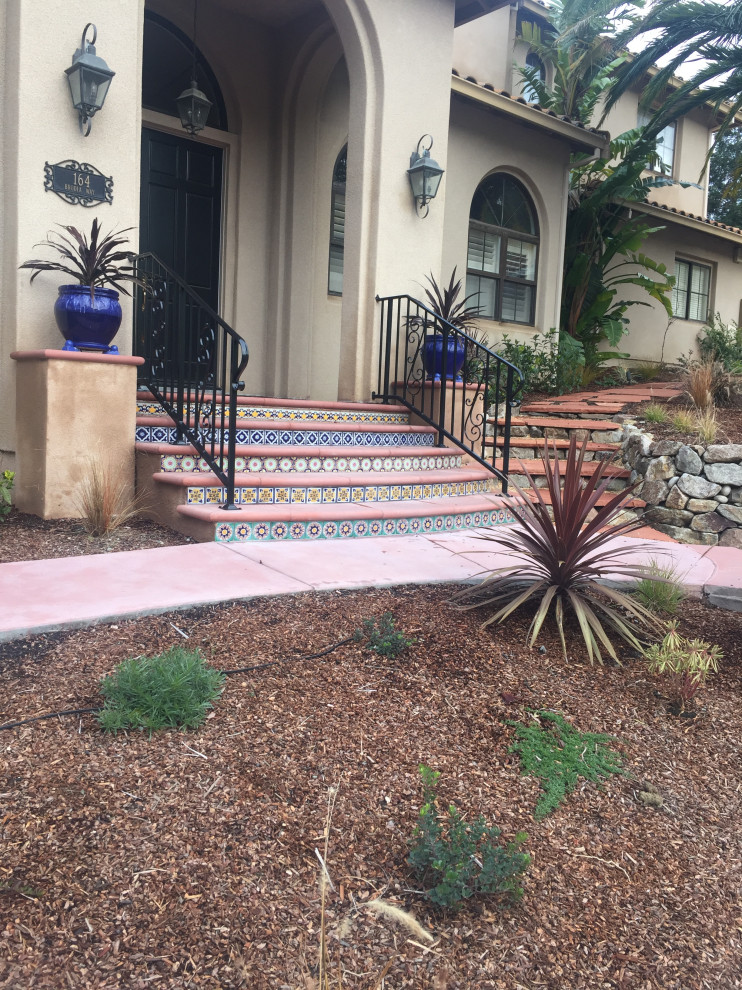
(227, 673)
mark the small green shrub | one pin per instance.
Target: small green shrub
(558, 755)
(659, 591)
(172, 690)
(655, 413)
(722, 342)
(462, 859)
(383, 638)
(687, 664)
(549, 363)
(6, 486)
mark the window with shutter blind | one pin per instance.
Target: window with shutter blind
(502, 256)
(337, 225)
(692, 290)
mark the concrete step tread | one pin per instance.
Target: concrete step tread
(334, 479)
(302, 450)
(632, 503)
(537, 443)
(256, 400)
(572, 408)
(536, 467)
(285, 425)
(559, 423)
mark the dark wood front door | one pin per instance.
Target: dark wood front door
(181, 205)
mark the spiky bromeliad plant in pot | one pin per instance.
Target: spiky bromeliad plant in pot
(563, 556)
(88, 314)
(449, 303)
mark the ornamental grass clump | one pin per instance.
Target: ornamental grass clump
(565, 548)
(174, 689)
(660, 591)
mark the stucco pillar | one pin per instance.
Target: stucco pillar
(399, 62)
(73, 410)
(40, 125)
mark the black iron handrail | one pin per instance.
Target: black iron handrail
(418, 348)
(193, 364)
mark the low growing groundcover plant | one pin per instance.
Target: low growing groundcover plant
(554, 752)
(174, 689)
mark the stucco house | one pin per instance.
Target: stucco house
(291, 211)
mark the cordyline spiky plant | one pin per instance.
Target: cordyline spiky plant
(445, 301)
(94, 262)
(563, 558)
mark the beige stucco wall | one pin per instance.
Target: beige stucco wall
(482, 142)
(7, 456)
(483, 48)
(75, 416)
(649, 323)
(290, 112)
(693, 134)
(41, 126)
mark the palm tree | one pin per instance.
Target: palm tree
(680, 32)
(603, 243)
(583, 51)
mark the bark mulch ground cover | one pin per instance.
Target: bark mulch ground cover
(188, 859)
(27, 537)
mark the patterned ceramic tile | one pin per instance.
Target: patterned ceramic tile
(288, 414)
(298, 465)
(293, 438)
(300, 495)
(347, 529)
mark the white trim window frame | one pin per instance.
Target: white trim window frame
(665, 144)
(691, 295)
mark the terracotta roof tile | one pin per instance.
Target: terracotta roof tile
(533, 106)
(693, 216)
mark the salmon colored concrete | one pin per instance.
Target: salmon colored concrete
(46, 595)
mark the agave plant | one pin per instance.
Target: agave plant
(563, 556)
(446, 302)
(94, 262)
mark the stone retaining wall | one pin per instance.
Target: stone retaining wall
(693, 492)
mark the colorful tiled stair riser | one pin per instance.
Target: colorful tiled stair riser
(295, 480)
(319, 530)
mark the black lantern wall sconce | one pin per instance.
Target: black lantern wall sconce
(89, 78)
(425, 175)
(193, 105)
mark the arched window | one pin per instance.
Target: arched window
(337, 225)
(167, 63)
(533, 62)
(502, 259)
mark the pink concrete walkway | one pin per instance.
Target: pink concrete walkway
(47, 595)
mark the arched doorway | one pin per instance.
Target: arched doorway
(181, 177)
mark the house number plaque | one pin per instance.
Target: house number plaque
(78, 183)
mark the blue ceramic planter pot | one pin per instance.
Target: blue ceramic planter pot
(88, 324)
(436, 366)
